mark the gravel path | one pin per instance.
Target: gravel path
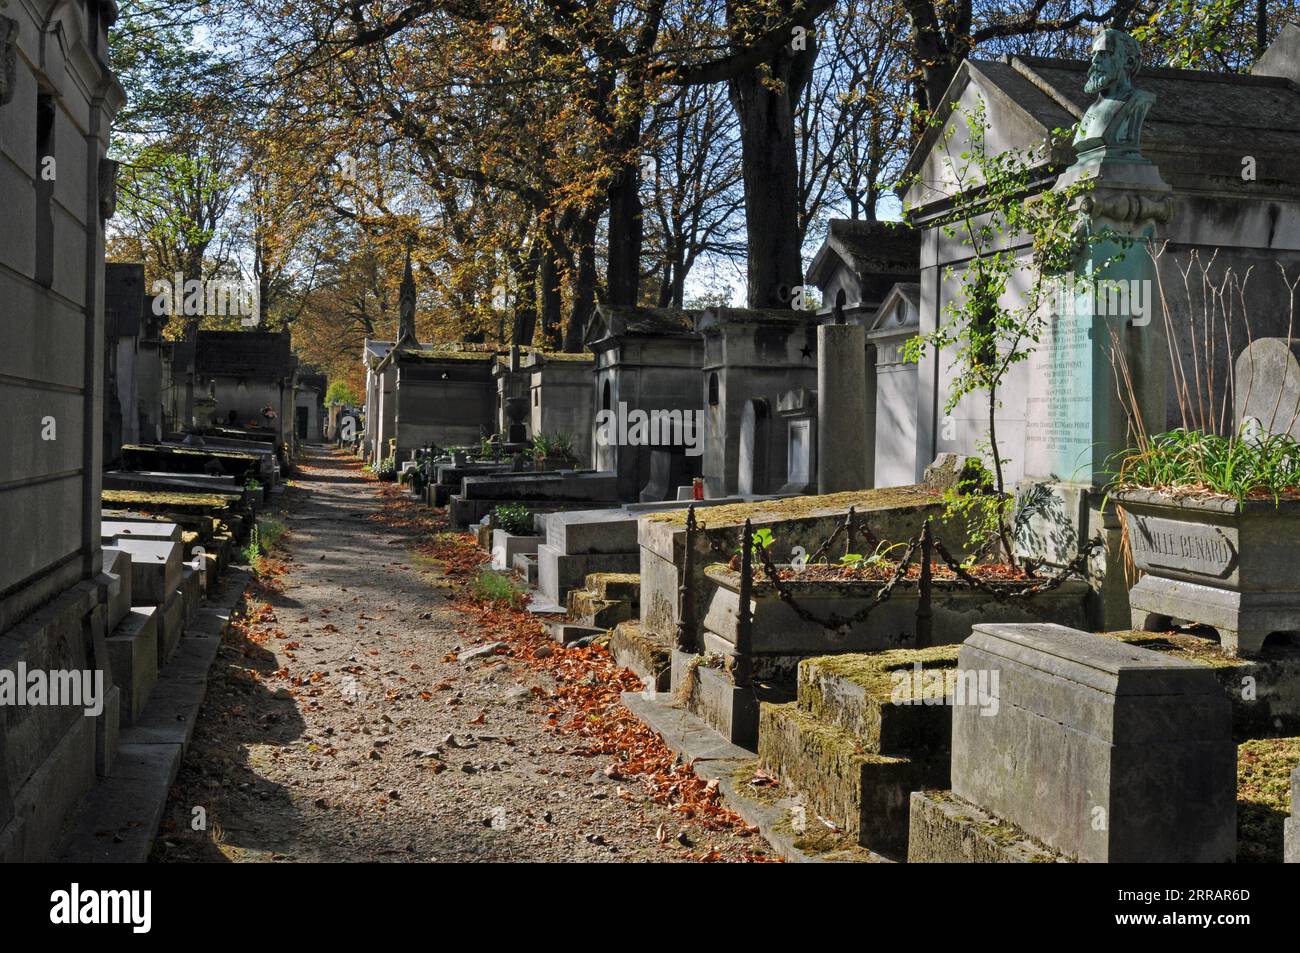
(340, 726)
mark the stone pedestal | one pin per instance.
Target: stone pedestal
(1101, 367)
(843, 453)
(1098, 750)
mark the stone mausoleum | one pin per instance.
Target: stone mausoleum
(57, 99)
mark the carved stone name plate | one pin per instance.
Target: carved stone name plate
(1189, 547)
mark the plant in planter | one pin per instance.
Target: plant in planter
(553, 451)
(386, 469)
(1211, 510)
(515, 518)
(1213, 522)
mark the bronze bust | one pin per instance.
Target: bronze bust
(1113, 123)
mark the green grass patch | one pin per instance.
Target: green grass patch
(262, 538)
(491, 586)
(1238, 466)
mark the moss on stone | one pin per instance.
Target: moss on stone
(872, 670)
(1264, 769)
(1179, 645)
(155, 499)
(797, 507)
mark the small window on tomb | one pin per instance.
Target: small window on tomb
(537, 396)
(713, 389)
(604, 397)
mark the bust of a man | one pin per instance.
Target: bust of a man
(1113, 123)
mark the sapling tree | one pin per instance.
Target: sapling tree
(1023, 236)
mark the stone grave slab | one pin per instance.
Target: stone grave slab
(1102, 751)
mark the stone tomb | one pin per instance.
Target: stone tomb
(751, 358)
(561, 400)
(1084, 749)
(647, 368)
(798, 409)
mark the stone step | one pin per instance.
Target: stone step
(525, 567)
(566, 632)
(866, 795)
(117, 566)
(133, 651)
(557, 572)
(171, 625)
(709, 691)
(585, 607)
(646, 654)
(155, 569)
(880, 697)
(944, 829)
(616, 586)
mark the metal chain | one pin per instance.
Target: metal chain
(838, 622)
(1004, 591)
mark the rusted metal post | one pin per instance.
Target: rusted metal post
(686, 604)
(848, 533)
(924, 609)
(744, 618)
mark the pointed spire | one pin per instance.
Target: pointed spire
(406, 307)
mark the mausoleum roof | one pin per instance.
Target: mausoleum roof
(867, 248)
(263, 354)
(616, 321)
(1200, 126)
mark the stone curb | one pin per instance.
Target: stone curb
(119, 817)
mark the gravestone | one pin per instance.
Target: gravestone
(844, 454)
(1291, 853)
(1100, 320)
(1266, 387)
(798, 408)
(1100, 750)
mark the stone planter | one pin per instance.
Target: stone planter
(505, 546)
(779, 637)
(1217, 562)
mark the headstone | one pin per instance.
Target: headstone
(798, 408)
(945, 472)
(843, 455)
(1266, 387)
(1102, 316)
(1101, 750)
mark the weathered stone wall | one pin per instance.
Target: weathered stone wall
(52, 386)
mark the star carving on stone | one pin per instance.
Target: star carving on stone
(806, 351)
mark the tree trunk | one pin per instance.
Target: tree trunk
(771, 174)
(625, 223)
(584, 285)
(552, 301)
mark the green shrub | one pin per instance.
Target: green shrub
(514, 518)
(492, 586)
(386, 469)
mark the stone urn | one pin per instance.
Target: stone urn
(1214, 561)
